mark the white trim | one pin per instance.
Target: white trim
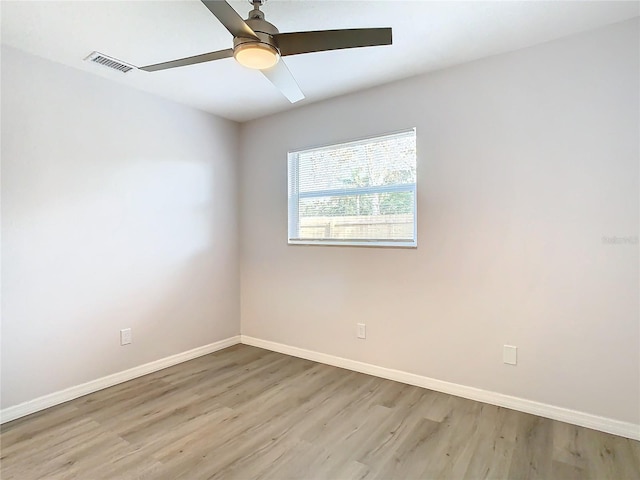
(56, 398)
(603, 424)
(312, 242)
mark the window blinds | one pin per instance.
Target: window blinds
(356, 193)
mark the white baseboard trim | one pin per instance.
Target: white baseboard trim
(56, 398)
(603, 424)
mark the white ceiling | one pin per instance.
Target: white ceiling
(426, 36)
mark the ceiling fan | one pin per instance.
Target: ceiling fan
(257, 44)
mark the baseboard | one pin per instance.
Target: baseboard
(603, 424)
(56, 398)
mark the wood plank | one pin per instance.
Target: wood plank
(244, 412)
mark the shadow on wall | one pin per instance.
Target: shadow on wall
(149, 248)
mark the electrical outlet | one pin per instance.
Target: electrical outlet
(125, 336)
(362, 330)
(510, 355)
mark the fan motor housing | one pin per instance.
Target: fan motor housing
(263, 30)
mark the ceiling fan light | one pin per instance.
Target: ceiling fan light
(256, 55)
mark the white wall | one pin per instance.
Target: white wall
(119, 210)
(525, 161)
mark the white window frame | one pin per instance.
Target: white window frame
(294, 197)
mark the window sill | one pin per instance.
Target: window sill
(352, 243)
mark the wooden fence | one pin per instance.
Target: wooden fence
(362, 226)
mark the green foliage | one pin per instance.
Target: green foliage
(388, 204)
(396, 203)
(382, 163)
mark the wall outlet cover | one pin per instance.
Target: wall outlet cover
(362, 330)
(510, 355)
(125, 336)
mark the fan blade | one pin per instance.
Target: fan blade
(205, 57)
(306, 42)
(230, 18)
(281, 77)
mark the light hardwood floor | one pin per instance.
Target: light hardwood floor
(248, 413)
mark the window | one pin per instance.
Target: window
(356, 193)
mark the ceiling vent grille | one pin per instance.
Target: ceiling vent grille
(109, 62)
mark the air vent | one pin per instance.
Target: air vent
(106, 61)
